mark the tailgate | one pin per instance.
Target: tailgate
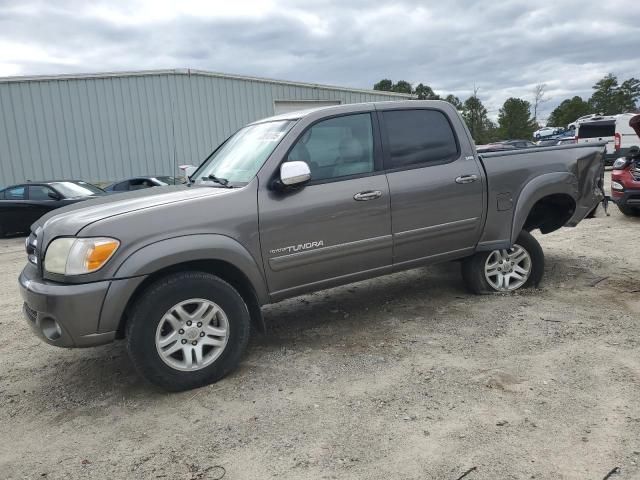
(590, 174)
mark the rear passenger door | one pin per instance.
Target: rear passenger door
(437, 191)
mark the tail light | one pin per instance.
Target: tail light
(618, 141)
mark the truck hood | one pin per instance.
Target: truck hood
(71, 219)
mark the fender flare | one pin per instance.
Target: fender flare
(542, 186)
(174, 251)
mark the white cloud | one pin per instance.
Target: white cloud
(503, 48)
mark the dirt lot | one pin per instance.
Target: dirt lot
(406, 376)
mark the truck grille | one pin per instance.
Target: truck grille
(635, 172)
(31, 314)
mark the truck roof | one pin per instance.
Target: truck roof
(352, 107)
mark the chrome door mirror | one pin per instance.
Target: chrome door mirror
(294, 173)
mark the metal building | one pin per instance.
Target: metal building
(103, 127)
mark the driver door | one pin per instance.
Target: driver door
(337, 228)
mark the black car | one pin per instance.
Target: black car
(23, 204)
(138, 183)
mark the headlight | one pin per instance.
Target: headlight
(617, 186)
(75, 256)
(620, 163)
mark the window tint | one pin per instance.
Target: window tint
(596, 130)
(419, 136)
(337, 147)
(39, 192)
(15, 193)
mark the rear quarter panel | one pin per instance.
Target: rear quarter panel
(516, 180)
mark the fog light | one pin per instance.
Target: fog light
(50, 328)
(617, 186)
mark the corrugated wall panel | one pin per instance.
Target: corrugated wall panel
(109, 127)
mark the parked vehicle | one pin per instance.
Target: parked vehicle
(573, 125)
(291, 204)
(23, 204)
(625, 177)
(138, 183)
(613, 129)
(546, 132)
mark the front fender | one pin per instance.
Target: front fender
(188, 248)
(538, 188)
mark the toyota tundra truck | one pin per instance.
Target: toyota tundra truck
(292, 204)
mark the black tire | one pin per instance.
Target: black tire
(473, 267)
(161, 296)
(629, 211)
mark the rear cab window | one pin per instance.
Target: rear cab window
(597, 129)
(418, 138)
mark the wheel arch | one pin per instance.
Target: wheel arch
(547, 202)
(215, 254)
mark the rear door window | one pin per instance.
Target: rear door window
(418, 137)
(596, 130)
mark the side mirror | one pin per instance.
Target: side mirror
(54, 196)
(294, 173)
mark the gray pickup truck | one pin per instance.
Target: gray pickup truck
(292, 204)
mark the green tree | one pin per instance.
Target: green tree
(605, 96)
(568, 111)
(629, 93)
(425, 92)
(384, 85)
(453, 100)
(402, 87)
(514, 119)
(475, 116)
(609, 98)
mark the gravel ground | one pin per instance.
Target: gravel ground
(406, 376)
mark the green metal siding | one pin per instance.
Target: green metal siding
(106, 127)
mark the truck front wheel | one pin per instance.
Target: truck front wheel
(505, 270)
(187, 330)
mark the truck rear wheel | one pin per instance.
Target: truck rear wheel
(505, 270)
(629, 211)
(187, 330)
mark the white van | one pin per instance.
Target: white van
(612, 129)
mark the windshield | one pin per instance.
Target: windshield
(76, 189)
(242, 155)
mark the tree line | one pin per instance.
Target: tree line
(518, 118)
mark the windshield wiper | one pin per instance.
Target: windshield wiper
(221, 181)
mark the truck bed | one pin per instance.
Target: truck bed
(575, 171)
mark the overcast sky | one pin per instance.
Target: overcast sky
(503, 47)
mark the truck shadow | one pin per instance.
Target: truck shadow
(84, 376)
(352, 314)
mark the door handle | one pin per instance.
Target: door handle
(466, 178)
(368, 195)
